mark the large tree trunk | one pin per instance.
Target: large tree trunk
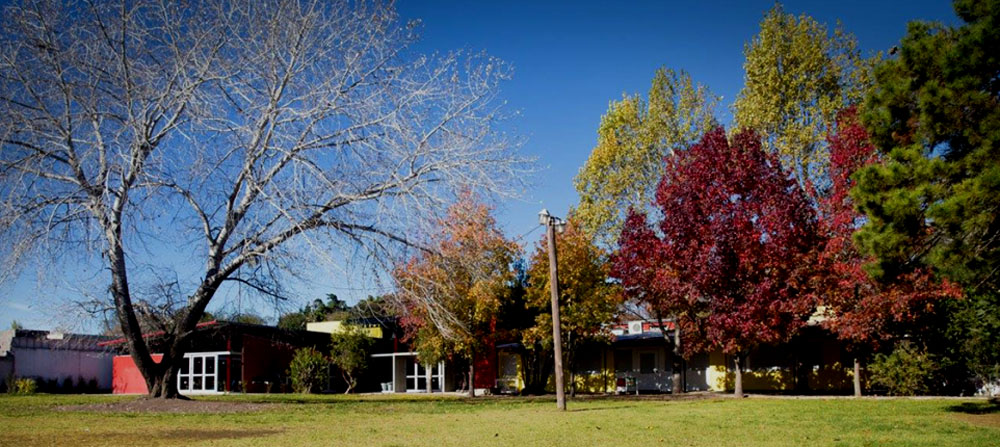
(163, 383)
(857, 377)
(738, 385)
(676, 360)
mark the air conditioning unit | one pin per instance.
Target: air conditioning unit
(635, 327)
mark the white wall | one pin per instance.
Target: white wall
(60, 364)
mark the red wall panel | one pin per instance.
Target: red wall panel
(125, 376)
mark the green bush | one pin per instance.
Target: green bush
(348, 352)
(21, 386)
(907, 371)
(308, 370)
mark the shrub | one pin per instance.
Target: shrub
(21, 385)
(907, 371)
(348, 353)
(307, 370)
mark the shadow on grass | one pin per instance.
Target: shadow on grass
(991, 406)
(611, 408)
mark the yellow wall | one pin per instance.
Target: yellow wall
(834, 377)
(334, 327)
(720, 377)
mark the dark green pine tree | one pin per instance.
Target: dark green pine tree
(935, 115)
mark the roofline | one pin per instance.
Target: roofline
(121, 340)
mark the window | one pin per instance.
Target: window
(623, 361)
(204, 372)
(416, 376)
(647, 362)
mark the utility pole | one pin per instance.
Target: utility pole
(552, 225)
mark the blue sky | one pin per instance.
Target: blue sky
(570, 59)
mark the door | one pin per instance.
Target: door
(198, 374)
(651, 375)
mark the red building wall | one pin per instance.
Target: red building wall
(486, 368)
(125, 376)
(265, 360)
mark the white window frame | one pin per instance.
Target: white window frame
(190, 375)
(418, 372)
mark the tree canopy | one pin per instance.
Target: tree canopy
(452, 294)
(632, 139)
(934, 115)
(731, 254)
(587, 300)
(797, 77)
(861, 310)
(248, 137)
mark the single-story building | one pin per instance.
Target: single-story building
(224, 357)
(638, 359)
(393, 367)
(57, 361)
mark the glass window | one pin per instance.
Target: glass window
(197, 383)
(209, 383)
(623, 360)
(647, 362)
(210, 365)
(197, 365)
(185, 384)
(185, 366)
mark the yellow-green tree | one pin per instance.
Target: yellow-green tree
(632, 139)
(587, 300)
(798, 75)
(451, 294)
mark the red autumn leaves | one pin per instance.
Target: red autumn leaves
(739, 256)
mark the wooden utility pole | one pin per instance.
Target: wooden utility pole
(551, 223)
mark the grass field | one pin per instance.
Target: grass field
(438, 421)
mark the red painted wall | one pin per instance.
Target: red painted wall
(486, 369)
(265, 360)
(125, 376)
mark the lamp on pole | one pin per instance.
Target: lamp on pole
(552, 225)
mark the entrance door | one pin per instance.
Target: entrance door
(416, 376)
(198, 374)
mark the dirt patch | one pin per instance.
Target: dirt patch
(146, 405)
(153, 438)
(991, 420)
(202, 435)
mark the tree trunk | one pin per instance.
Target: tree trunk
(347, 380)
(472, 377)
(572, 383)
(738, 391)
(857, 377)
(429, 369)
(162, 383)
(676, 362)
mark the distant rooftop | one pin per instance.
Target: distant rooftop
(35, 339)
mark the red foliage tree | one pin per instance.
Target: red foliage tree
(860, 310)
(731, 257)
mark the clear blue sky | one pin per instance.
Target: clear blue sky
(572, 58)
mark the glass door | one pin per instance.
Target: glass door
(416, 376)
(198, 374)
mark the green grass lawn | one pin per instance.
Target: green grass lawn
(407, 420)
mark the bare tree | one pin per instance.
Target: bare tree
(247, 135)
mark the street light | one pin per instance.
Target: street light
(554, 224)
(545, 218)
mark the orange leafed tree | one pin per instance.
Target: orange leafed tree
(451, 293)
(587, 300)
